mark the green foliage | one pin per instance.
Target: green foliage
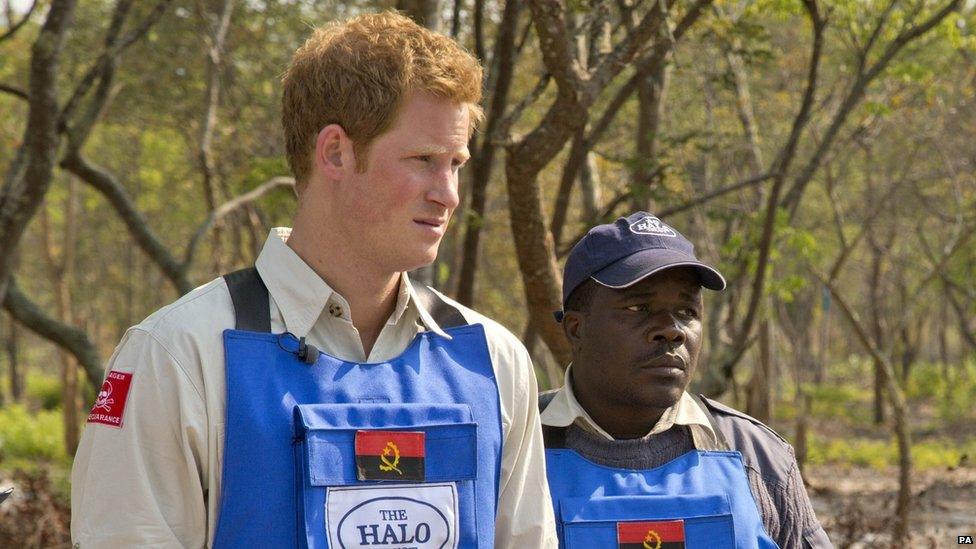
(853, 451)
(43, 389)
(782, 10)
(840, 401)
(883, 454)
(27, 438)
(951, 388)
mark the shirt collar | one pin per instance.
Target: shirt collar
(565, 410)
(301, 295)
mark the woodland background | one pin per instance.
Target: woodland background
(820, 152)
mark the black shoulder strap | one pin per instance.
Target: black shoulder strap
(251, 302)
(444, 314)
(719, 436)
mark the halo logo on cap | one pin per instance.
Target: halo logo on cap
(651, 225)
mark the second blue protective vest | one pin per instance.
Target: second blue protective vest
(402, 453)
(699, 500)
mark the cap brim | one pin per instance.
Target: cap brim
(637, 266)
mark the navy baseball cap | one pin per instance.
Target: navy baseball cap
(629, 250)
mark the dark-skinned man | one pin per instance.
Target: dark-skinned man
(633, 460)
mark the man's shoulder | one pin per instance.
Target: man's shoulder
(205, 308)
(189, 329)
(761, 447)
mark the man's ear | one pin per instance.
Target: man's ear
(573, 326)
(330, 156)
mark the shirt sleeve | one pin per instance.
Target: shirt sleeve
(787, 513)
(525, 515)
(141, 483)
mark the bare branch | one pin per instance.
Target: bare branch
(608, 211)
(114, 46)
(865, 225)
(501, 136)
(14, 91)
(653, 22)
(780, 166)
(940, 266)
(69, 338)
(112, 190)
(229, 207)
(16, 27)
(876, 354)
(707, 197)
(215, 38)
(556, 45)
(862, 55)
(100, 67)
(968, 334)
(854, 96)
(642, 68)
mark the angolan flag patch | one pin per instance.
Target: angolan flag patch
(390, 455)
(669, 534)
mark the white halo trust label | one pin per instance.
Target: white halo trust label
(412, 516)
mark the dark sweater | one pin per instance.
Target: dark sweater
(771, 469)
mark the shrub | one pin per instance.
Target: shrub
(27, 438)
(43, 389)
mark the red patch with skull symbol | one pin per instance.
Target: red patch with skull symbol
(110, 402)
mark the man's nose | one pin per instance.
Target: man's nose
(665, 329)
(444, 190)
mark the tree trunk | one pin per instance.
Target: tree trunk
(651, 93)
(540, 273)
(573, 167)
(590, 189)
(424, 12)
(876, 300)
(29, 177)
(16, 375)
(214, 37)
(968, 334)
(483, 160)
(758, 400)
(942, 334)
(899, 409)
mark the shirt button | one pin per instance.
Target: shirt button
(335, 310)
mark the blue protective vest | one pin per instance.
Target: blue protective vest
(699, 500)
(299, 436)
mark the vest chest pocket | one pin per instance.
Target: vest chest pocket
(385, 475)
(647, 521)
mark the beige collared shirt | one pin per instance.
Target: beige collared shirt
(155, 481)
(564, 410)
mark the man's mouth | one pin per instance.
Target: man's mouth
(430, 221)
(665, 356)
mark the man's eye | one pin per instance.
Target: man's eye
(638, 308)
(423, 158)
(688, 312)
